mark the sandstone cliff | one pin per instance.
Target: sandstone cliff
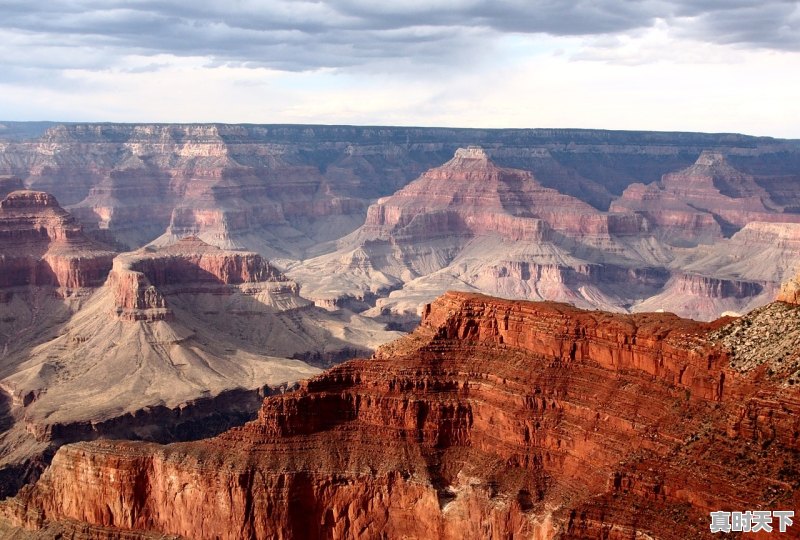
(41, 244)
(494, 419)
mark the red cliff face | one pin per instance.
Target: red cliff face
(494, 419)
(41, 244)
(140, 279)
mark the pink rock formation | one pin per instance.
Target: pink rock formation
(191, 265)
(41, 244)
(470, 194)
(702, 202)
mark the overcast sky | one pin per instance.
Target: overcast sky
(708, 65)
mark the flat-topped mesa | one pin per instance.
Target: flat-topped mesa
(35, 215)
(471, 195)
(141, 279)
(472, 152)
(41, 244)
(494, 419)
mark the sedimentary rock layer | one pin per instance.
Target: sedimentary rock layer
(41, 244)
(234, 184)
(494, 419)
(703, 202)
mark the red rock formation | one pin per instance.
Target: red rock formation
(470, 194)
(494, 419)
(470, 223)
(790, 291)
(41, 244)
(189, 265)
(701, 202)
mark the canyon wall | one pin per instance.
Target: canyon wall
(493, 419)
(129, 183)
(41, 244)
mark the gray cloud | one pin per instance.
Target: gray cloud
(298, 35)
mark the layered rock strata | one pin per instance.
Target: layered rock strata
(474, 225)
(494, 419)
(41, 244)
(703, 202)
(178, 336)
(130, 182)
(188, 266)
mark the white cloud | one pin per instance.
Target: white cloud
(654, 64)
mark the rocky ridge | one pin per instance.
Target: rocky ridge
(702, 203)
(41, 244)
(179, 342)
(493, 418)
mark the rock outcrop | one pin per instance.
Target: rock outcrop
(695, 296)
(41, 244)
(702, 203)
(175, 337)
(790, 291)
(493, 419)
(471, 195)
(190, 265)
(473, 225)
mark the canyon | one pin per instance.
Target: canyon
(474, 226)
(161, 343)
(493, 418)
(183, 287)
(622, 221)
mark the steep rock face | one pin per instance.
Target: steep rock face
(702, 202)
(41, 244)
(128, 183)
(472, 195)
(472, 224)
(189, 265)
(695, 296)
(493, 419)
(790, 291)
(759, 252)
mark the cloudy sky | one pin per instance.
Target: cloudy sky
(706, 65)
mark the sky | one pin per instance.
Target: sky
(707, 65)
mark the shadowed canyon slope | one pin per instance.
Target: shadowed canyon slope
(160, 343)
(494, 418)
